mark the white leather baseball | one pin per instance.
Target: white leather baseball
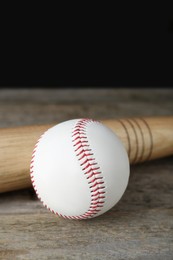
(79, 169)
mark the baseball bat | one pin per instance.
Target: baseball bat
(144, 139)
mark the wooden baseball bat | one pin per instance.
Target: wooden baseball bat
(144, 139)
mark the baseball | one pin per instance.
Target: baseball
(79, 169)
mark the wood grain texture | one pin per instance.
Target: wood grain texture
(145, 138)
(140, 226)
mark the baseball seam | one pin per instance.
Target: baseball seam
(89, 167)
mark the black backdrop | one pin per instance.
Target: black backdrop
(140, 53)
(54, 83)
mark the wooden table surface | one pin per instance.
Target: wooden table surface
(140, 226)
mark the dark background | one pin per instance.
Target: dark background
(86, 83)
(134, 50)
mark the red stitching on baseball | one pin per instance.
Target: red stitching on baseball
(93, 174)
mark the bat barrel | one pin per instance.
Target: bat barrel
(16, 146)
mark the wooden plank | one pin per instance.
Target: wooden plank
(43, 106)
(116, 235)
